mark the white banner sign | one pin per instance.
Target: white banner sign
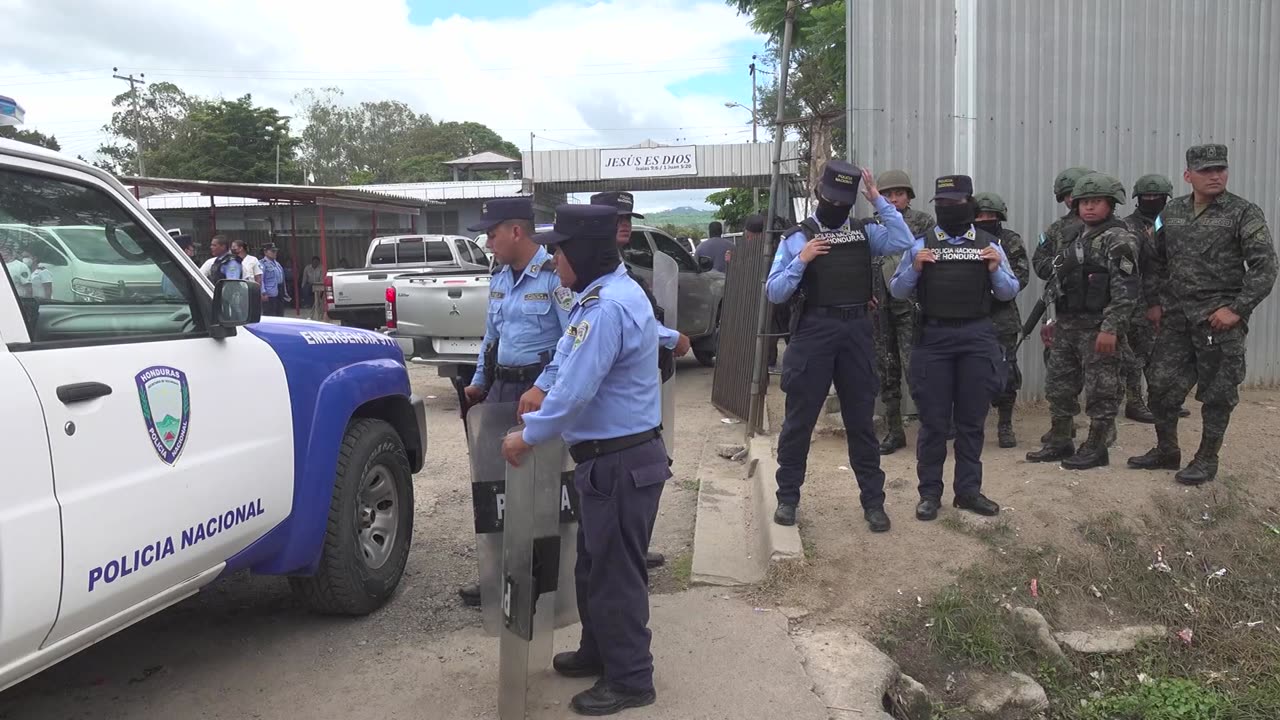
(648, 162)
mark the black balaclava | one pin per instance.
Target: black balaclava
(956, 219)
(990, 226)
(590, 258)
(1152, 207)
(831, 215)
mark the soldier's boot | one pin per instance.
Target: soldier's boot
(1135, 408)
(1058, 446)
(1111, 434)
(896, 438)
(1165, 455)
(1048, 435)
(1093, 451)
(1004, 428)
(1204, 466)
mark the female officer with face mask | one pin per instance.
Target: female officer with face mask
(828, 259)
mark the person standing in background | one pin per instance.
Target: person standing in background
(250, 268)
(716, 247)
(273, 290)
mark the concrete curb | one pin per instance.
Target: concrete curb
(775, 542)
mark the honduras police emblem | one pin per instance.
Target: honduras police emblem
(166, 409)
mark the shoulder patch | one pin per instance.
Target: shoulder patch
(580, 336)
(564, 297)
(1126, 266)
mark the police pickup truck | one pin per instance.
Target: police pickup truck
(157, 434)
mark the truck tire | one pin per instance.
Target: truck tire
(370, 525)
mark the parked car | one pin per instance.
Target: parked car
(137, 469)
(358, 297)
(701, 287)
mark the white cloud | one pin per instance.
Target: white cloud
(580, 74)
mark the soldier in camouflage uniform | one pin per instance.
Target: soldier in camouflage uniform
(1047, 249)
(1213, 263)
(1150, 193)
(992, 213)
(896, 326)
(1097, 271)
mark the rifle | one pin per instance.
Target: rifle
(1051, 293)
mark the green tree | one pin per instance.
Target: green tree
(348, 144)
(815, 105)
(735, 204)
(34, 137)
(229, 140)
(426, 149)
(162, 110)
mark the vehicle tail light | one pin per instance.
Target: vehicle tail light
(391, 308)
(328, 289)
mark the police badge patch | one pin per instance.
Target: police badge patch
(581, 335)
(165, 397)
(564, 297)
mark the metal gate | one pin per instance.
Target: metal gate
(735, 355)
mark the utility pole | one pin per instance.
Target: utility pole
(137, 114)
(277, 163)
(754, 104)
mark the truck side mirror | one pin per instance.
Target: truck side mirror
(236, 303)
(705, 264)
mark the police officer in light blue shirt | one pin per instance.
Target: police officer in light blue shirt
(528, 314)
(273, 294)
(957, 364)
(829, 258)
(606, 405)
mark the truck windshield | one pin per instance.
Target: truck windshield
(412, 250)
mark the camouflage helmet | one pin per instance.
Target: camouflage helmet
(1095, 185)
(1152, 184)
(1066, 180)
(992, 203)
(895, 180)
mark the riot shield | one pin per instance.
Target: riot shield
(666, 290)
(487, 425)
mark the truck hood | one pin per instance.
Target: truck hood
(331, 346)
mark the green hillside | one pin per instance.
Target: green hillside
(684, 216)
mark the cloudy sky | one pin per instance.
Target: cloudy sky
(574, 73)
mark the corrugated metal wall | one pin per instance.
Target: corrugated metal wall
(1013, 91)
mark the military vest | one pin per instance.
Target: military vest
(1085, 276)
(843, 275)
(958, 285)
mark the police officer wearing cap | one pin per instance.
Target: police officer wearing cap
(528, 314)
(957, 364)
(607, 407)
(829, 260)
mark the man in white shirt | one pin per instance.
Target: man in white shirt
(20, 272)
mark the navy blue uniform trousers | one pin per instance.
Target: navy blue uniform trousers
(619, 494)
(501, 391)
(830, 345)
(957, 369)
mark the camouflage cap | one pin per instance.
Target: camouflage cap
(1200, 157)
(993, 203)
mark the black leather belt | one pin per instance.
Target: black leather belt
(953, 322)
(844, 312)
(592, 449)
(524, 373)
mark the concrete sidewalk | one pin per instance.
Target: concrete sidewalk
(716, 658)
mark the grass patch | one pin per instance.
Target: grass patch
(1203, 565)
(997, 533)
(692, 485)
(682, 569)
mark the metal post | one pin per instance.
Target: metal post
(277, 163)
(755, 421)
(293, 252)
(137, 114)
(213, 215)
(373, 214)
(324, 251)
(755, 110)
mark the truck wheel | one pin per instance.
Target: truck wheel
(706, 357)
(366, 542)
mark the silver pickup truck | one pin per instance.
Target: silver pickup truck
(441, 314)
(358, 297)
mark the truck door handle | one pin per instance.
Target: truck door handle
(81, 392)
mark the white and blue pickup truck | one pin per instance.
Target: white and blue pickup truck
(156, 433)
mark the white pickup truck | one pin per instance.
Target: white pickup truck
(358, 297)
(160, 434)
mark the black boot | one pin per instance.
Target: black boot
(1137, 411)
(604, 699)
(654, 560)
(1048, 434)
(785, 514)
(1058, 446)
(896, 438)
(1004, 428)
(1204, 467)
(1093, 452)
(572, 664)
(1165, 455)
(470, 595)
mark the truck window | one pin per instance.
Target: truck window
(477, 255)
(668, 245)
(638, 251)
(383, 254)
(116, 281)
(410, 251)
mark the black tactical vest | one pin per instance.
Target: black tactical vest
(843, 275)
(1084, 276)
(958, 285)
